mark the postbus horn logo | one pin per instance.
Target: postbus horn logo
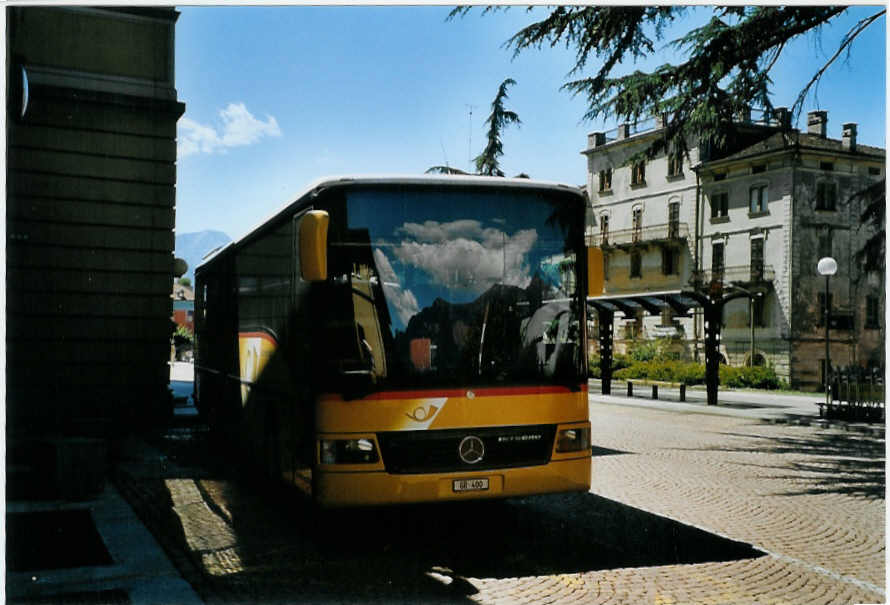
(422, 414)
(471, 449)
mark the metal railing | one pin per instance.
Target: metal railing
(755, 116)
(652, 233)
(735, 274)
(856, 394)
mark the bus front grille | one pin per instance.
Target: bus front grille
(406, 452)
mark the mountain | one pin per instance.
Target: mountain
(193, 247)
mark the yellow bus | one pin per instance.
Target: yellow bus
(391, 340)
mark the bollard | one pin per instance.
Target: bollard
(683, 391)
(654, 391)
(630, 389)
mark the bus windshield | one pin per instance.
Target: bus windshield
(452, 288)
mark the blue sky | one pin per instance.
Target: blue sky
(277, 97)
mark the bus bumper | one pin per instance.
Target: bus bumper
(339, 489)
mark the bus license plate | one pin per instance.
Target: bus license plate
(470, 485)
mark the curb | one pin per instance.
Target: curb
(760, 414)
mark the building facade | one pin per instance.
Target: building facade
(91, 139)
(757, 216)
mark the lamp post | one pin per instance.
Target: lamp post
(827, 266)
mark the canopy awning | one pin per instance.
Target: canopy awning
(679, 301)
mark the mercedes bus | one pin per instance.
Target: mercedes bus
(391, 340)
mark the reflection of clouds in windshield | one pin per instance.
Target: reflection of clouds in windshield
(403, 301)
(465, 255)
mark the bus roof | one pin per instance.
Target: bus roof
(394, 179)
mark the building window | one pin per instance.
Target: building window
(757, 259)
(829, 166)
(758, 304)
(637, 233)
(638, 173)
(605, 180)
(758, 199)
(872, 313)
(674, 220)
(669, 261)
(675, 164)
(719, 176)
(636, 264)
(604, 229)
(758, 168)
(826, 196)
(826, 244)
(719, 205)
(717, 261)
(874, 171)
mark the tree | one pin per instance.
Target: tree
(487, 163)
(726, 71)
(726, 68)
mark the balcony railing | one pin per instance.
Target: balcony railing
(739, 274)
(651, 234)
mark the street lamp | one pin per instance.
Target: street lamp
(827, 266)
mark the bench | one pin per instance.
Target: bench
(654, 385)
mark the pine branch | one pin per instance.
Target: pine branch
(847, 40)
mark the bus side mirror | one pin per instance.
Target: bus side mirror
(314, 245)
(596, 275)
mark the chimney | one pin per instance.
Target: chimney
(848, 136)
(783, 117)
(596, 139)
(623, 131)
(817, 123)
(661, 120)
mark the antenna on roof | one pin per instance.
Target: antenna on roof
(444, 155)
(470, 137)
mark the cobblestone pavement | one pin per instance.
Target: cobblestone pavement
(685, 508)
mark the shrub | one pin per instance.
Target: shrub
(757, 377)
(666, 371)
(624, 367)
(645, 350)
(618, 362)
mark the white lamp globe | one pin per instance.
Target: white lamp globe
(827, 266)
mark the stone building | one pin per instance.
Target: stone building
(757, 216)
(91, 142)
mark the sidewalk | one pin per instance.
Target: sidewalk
(95, 550)
(757, 405)
(138, 571)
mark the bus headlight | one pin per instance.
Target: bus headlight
(573, 440)
(347, 451)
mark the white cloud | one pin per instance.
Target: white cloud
(461, 254)
(239, 127)
(404, 301)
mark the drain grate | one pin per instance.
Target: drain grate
(53, 540)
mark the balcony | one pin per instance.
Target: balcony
(739, 275)
(627, 238)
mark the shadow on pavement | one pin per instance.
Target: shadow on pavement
(249, 542)
(848, 463)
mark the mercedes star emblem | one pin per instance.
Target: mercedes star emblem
(471, 449)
